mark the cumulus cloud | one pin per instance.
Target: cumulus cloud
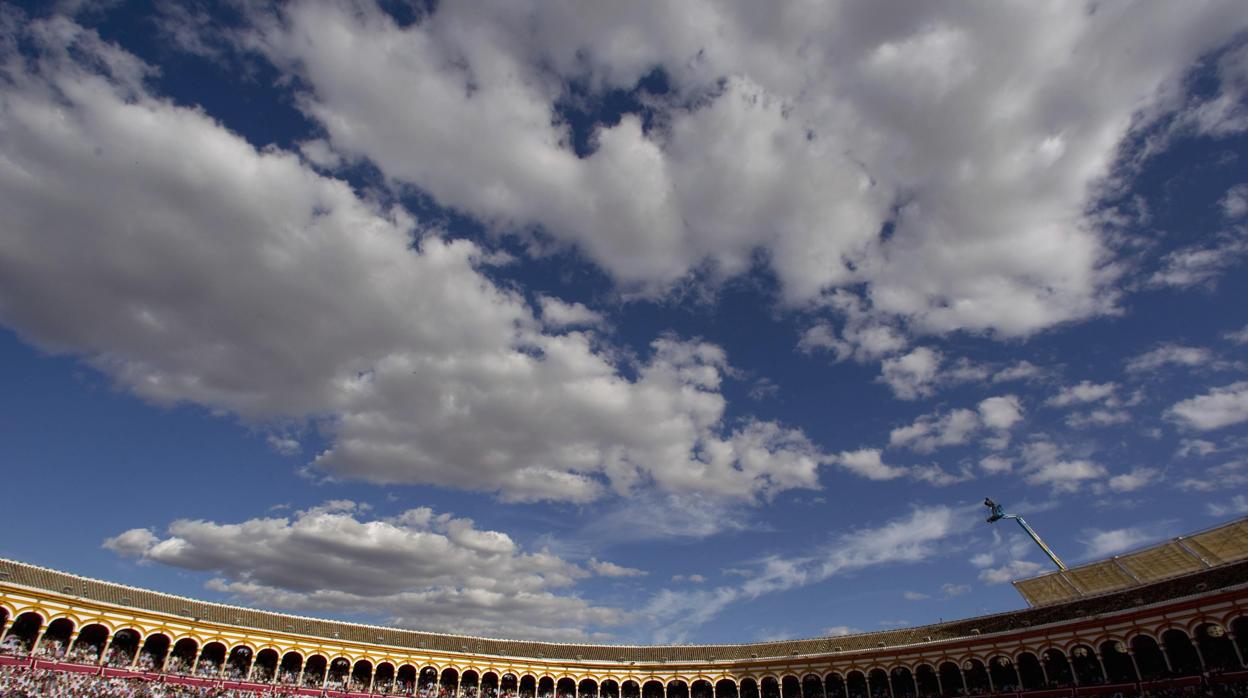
(1001, 412)
(1218, 408)
(930, 432)
(1083, 393)
(603, 568)
(1137, 478)
(558, 314)
(976, 136)
(868, 463)
(1044, 463)
(909, 539)
(420, 569)
(912, 375)
(1014, 569)
(1203, 263)
(1101, 544)
(244, 281)
(1235, 203)
(1239, 336)
(1237, 506)
(1169, 355)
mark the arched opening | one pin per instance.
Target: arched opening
(238, 664)
(266, 666)
(834, 686)
(725, 688)
(489, 685)
(546, 687)
(1148, 657)
(508, 686)
(23, 633)
(4, 620)
(1001, 671)
(950, 679)
(925, 682)
(314, 671)
(155, 651)
(856, 684)
(748, 688)
(468, 684)
(288, 670)
(812, 686)
(1057, 668)
(339, 670)
(89, 645)
(902, 682)
(1181, 651)
(449, 682)
(769, 687)
(361, 675)
(1239, 628)
(211, 659)
(1086, 666)
(527, 686)
(565, 688)
(877, 683)
(976, 676)
(677, 689)
(630, 689)
(428, 681)
(383, 679)
(123, 648)
(701, 689)
(1216, 648)
(1030, 673)
(55, 641)
(609, 689)
(790, 687)
(1117, 662)
(587, 688)
(405, 680)
(183, 656)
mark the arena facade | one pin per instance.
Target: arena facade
(1172, 615)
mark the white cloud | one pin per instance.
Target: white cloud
(995, 464)
(419, 569)
(975, 134)
(1199, 447)
(691, 578)
(1097, 418)
(1238, 336)
(914, 596)
(1021, 371)
(909, 539)
(558, 314)
(1001, 412)
(866, 462)
(863, 337)
(931, 432)
(420, 369)
(283, 444)
(950, 590)
(603, 568)
(1101, 544)
(840, 631)
(1218, 408)
(1201, 264)
(1169, 355)
(912, 375)
(1137, 478)
(1083, 393)
(1066, 475)
(1015, 569)
(1238, 506)
(1235, 203)
(1226, 476)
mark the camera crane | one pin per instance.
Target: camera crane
(998, 513)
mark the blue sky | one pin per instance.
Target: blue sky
(628, 323)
